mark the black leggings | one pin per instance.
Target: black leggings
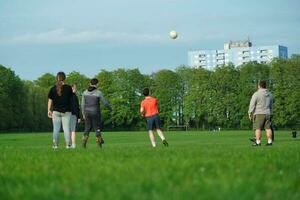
(92, 121)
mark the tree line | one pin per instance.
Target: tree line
(199, 98)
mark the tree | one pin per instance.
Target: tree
(285, 75)
(123, 88)
(167, 88)
(224, 88)
(47, 80)
(196, 96)
(250, 74)
(80, 80)
(12, 101)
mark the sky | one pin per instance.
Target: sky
(41, 36)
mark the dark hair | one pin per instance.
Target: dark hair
(146, 92)
(262, 84)
(94, 81)
(60, 78)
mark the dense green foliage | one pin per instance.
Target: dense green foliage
(197, 97)
(196, 165)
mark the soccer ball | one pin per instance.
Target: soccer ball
(173, 34)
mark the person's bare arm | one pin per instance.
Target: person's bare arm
(142, 111)
(49, 108)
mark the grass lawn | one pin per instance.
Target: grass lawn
(196, 165)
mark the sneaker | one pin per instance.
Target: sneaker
(269, 144)
(252, 139)
(55, 147)
(73, 146)
(102, 140)
(68, 147)
(99, 141)
(165, 143)
(84, 141)
(256, 145)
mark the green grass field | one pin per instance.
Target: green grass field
(196, 165)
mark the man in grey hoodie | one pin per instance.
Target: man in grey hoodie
(260, 110)
(91, 111)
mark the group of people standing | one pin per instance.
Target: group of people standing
(64, 109)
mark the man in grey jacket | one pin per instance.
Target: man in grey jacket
(91, 99)
(260, 110)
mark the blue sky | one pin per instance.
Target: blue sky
(39, 36)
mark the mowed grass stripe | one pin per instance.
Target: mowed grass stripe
(196, 165)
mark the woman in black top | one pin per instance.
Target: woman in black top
(59, 108)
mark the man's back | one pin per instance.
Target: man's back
(150, 106)
(91, 101)
(261, 102)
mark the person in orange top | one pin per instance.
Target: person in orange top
(149, 110)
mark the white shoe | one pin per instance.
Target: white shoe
(68, 147)
(73, 146)
(54, 147)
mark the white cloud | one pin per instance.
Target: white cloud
(62, 36)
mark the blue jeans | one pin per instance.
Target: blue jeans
(59, 118)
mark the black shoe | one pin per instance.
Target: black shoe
(256, 145)
(252, 139)
(269, 144)
(84, 141)
(165, 143)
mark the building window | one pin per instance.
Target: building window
(264, 56)
(264, 51)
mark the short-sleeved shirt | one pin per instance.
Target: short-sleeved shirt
(150, 106)
(61, 103)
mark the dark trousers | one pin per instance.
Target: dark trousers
(92, 121)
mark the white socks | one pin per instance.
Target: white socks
(269, 141)
(162, 137)
(153, 143)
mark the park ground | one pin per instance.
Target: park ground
(196, 165)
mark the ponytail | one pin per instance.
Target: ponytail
(60, 77)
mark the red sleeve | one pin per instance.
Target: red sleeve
(142, 104)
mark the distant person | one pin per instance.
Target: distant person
(260, 109)
(59, 109)
(272, 129)
(91, 99)
(75, 117)
(149, 110)
(294, 133)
